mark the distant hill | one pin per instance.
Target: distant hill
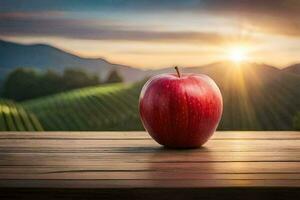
(107, 107)
(43, 57)
(256, 97)
(293, 69)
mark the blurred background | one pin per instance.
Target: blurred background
(80, 65)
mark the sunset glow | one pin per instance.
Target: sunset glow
(148, 34)
(238, 54)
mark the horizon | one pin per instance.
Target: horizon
(149, 67)
(157, 34)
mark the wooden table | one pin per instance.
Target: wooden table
(130, 165)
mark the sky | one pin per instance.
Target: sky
(160, 33)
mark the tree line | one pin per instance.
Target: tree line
(27, 83)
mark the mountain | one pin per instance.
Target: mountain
(295, 68)
(43, 57)
(226, 71)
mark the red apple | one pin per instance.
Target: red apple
(180, 111)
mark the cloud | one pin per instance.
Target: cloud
(30, 15)
(278, 17)
(271, 16)
(20, 24)
(79, 5)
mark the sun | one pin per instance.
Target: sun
(237, 54)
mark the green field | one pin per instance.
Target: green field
(255, 98)
(261, 104)
(14, 118)
(109, 107)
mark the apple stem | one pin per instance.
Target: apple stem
(177, 70)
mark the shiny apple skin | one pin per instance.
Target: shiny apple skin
(180, 112)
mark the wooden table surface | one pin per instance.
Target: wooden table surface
(129, 165)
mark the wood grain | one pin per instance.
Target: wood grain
(266, 162)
